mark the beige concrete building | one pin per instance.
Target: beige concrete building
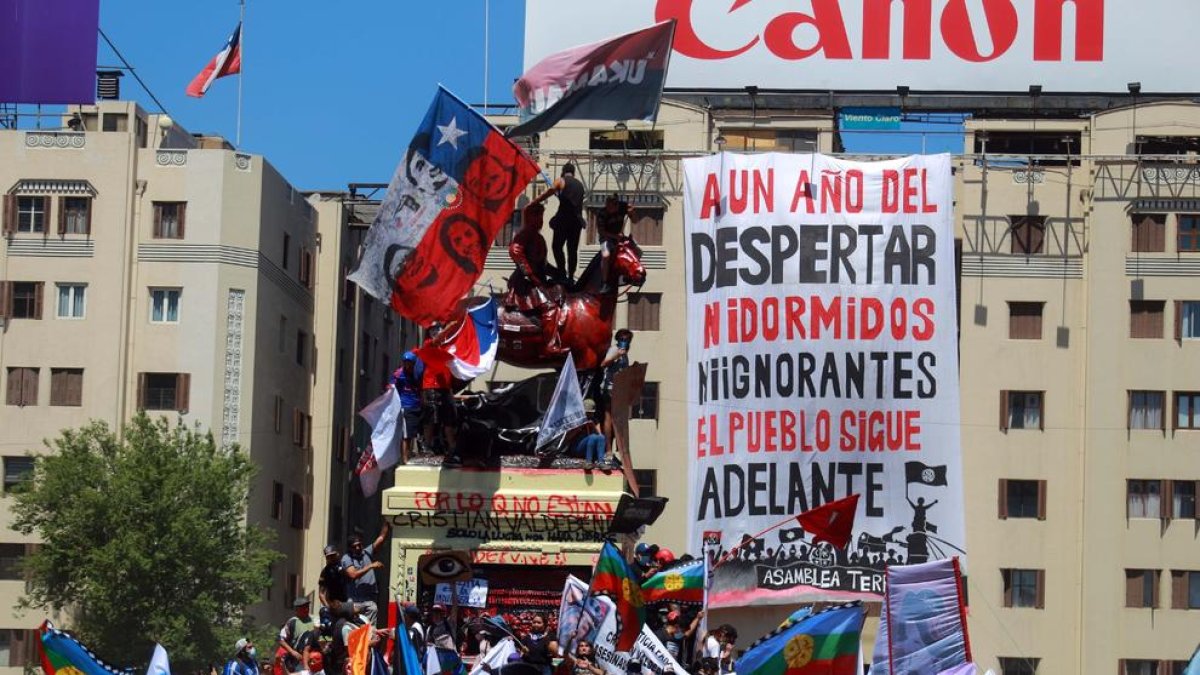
(1078, 313)
(145, 268)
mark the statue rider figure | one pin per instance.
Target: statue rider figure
(529, 290)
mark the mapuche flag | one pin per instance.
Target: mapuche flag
(682, 583)
(61, 653)
(450, 195)
(619, 79)
(825, 643)
(228, 61)
(612, 577)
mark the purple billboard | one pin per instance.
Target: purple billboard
(48, 51)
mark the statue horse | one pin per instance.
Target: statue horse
(584, 317)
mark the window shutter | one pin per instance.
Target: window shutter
(1003, 499)
(1196, 501)
(1041, 499)
(1133, 588)
(1178, 589)
(75, 388)
(181, 216)
(183, 388)
(62, 215)
(56, 386)
(45, 214)
(1041, 411)
(1003, 410)
(1164, 502)
(30, 387)
(158, 209)
(38, 289)
(1174, 412)
(296, 429)
(13, 395)
(10, 214)
(1121, 667)
(1178, 321)
(5, 298)
(87, 227)
(141, 391)
(1163, 417)
(1156, 579)
(1006, 579)
(1040, 602)
(1128, 410)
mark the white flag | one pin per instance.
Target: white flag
(159, 665)
(565, 411)
(496, 657)
(385, 415)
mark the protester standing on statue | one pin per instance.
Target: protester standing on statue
(610, 225)
(408, 388)
(437, 382)
(360, 567)
(615, 360)
(568, 221)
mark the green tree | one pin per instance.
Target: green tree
(145, 538)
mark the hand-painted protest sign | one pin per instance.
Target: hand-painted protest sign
(822, 363)
(471, 593)
(594, 619)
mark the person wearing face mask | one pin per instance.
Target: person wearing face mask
(616, 360)
(244, 661)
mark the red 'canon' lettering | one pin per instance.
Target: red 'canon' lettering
(1001, 22)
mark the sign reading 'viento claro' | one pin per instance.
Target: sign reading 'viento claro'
(945, 45)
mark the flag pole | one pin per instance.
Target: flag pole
(241, 70)
(486, 41)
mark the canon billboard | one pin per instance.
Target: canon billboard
(943, 45)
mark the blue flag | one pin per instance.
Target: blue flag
(406, 660)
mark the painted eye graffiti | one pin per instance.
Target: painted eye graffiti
(444, 567)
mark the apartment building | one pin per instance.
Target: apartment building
(145, 268)
(1079, 306)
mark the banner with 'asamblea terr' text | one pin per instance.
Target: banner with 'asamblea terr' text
(822, 363)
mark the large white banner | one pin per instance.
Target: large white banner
(822, 362)
(848, 45)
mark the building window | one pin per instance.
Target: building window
(278, 414)
(1028, 234)
(1141, 588)
(1187, 320)
(647, 482)
(1139, 667)
(297, 511)
(164, 391)
(646, 407)
(1188, 237)
(1146, 318)
(301, 429)
(12, 558)
(71, 300)
(644, 311)
(32, 213)
(22, 386)
(115, 122)
(1185, 589)
(301, 346)
(17, 470)
(292, 590)
(1022, 410)
(75, 215)
(1146, 410)
(1149, 232)
(25, 299)
(1183, 499)
(1187, 410)
(1024, 588)
(164, 305)
(282, 334)
(1022, 498)
(624, 140)
(647, 227)
(287, 247)
(1025, 320)
(277, 500)
(1014, 665)
(306, 267)
(1143, 498)
(169, 219)
(19, 648)
(66, 386)
(770, 140)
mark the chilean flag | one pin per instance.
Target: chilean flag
(474, 344)
(228, 61)
(451, 193)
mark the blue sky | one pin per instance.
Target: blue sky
(334, 90)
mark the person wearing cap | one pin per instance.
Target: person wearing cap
(673, 636)
(360, 567)
(297, 635)
(587, 440)
(568, 221)
(440, 633)
(332, 585)
(244, 661)
(408, 388)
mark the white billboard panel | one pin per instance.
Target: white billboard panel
(944, 45)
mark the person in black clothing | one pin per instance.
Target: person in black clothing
(332, 586)
(568, 221)
(539, 647)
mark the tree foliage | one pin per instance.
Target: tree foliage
(145, 539)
